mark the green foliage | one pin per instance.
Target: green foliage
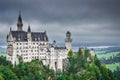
(78, 68)
(7, 74)
(70, 53)
(20, 58)
(4, 62)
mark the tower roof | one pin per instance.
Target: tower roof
(29, 30)
(68, 32)
(19, 23)
(20, 18)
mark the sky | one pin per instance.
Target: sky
(87, 20)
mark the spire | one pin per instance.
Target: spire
(10, 31)
(29, 30)
(19, 18)
(19, 23)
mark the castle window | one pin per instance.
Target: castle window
(39, 39)
(35, 39)
(19, 39)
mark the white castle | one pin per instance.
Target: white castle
(35, 45)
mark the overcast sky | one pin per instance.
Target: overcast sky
(87, 20)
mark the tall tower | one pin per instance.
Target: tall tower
(68, 41)
(19, 23)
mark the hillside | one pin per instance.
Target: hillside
(111, 57)
(80, 66)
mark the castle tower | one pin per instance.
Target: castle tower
(19, 23)
(68, 41)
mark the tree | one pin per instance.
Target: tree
(4, 62)
(7, 74)
(70, 53)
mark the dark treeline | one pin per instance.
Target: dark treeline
(117, 72)
(80, 66)
(113, 49)
(110, 49)
(112, 59)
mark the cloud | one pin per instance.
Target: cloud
(88, 20)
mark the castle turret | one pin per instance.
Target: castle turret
(19, 23)
(92, 52)
(54, 44)
(68, 41)
(9, 36)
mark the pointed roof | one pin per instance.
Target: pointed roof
(19, 23)
(20, 18)
(29, 30)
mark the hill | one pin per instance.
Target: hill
(80, 66)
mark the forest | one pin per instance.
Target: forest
(80, 66)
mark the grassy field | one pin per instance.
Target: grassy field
(107, 55)
(113, 67)
(100, 55)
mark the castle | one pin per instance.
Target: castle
(35, 45)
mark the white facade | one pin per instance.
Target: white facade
(35, 45)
